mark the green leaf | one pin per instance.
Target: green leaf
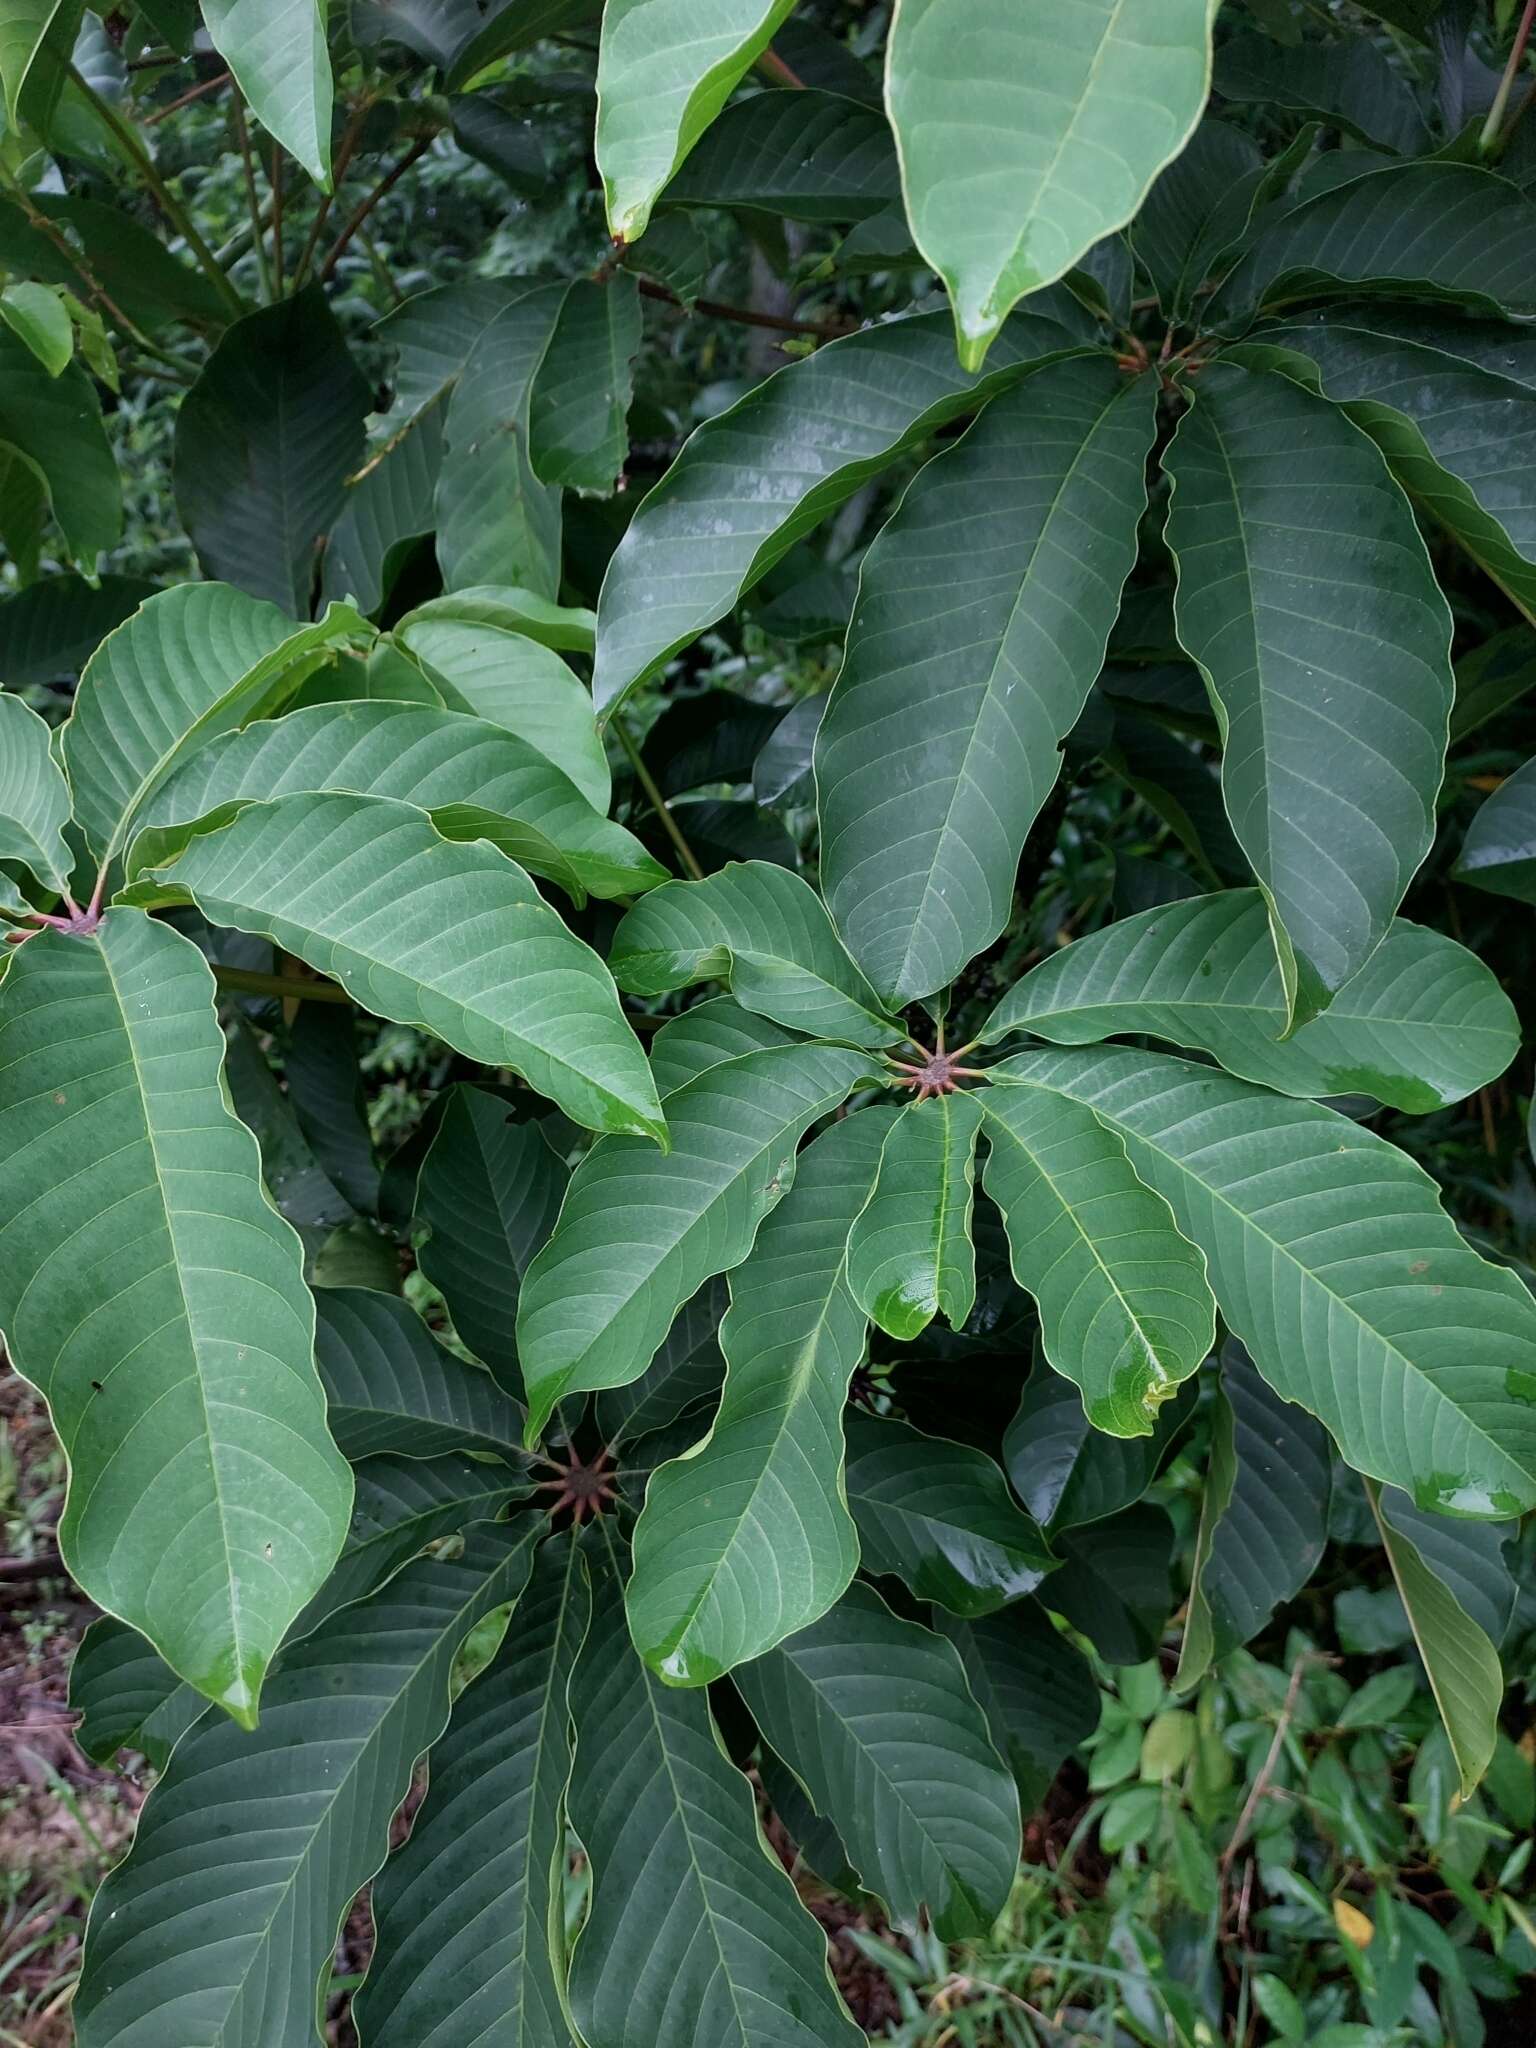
(513, 25)
(665, 68)
(1457, 1593)
(127, 1696)
(276, 50)
(983, 612)
(762, 931)
(386, 511)
(803, 154)
(746, 1538)
(1025, 139)
(452, 938)
(390, 1386)
(42, 320)
(1423, 1024)
(939, 1516)
(36, 38)
(1332, 1260)
(478, 781)
(909, 1251)
(633, 1244)
(506, 609)
(1066, 1472)
(488, 1194)
(1499, 851)
(1306, 596)
(513, 681)
(923, 1803)
(1347, 84)
(54, 426)
(1198, 212)
(433, 333)
(1125, 1310)
(694, 1936)
(702, 1037)
(156, 1300)
(191, 664)
(685, 1373)
(496, 522)
(754, 480)
(1432, 230)
(1037, 1692)
(464, 1912)
(252, 1845)
(580, 403)
(34, 798)
(1263, 1516)
(323, 1071)
(266, 439)
(1113, 1584)
(129, 262)
(49, 630)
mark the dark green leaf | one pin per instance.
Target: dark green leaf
(389, 1386)
(1499, 851)
(685, 1373)
(1036, 1691)
(48, 631)
(1066, 1472)
(53, 425)
(385, 512)
(580, 405)
(1113, 1585)
(1348, 84)
(808, 155)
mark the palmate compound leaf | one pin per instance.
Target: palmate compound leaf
(464, 1912)
(695, 1936)
(1306, 597)
(223, 1920)
(452, 938)
(983, 611)
(477, 780)
(156, 1300)
(1028, 134)
(633, 1244)
(1263, 1516)
(747, 1537)
(909, 1250)
(1125, 1309)
(1499, 851)
(762, 931)
(1459, 1595)
(751, 482)
(190, 664)
(34, 797)
(1424, 1023)
(665, 68)
(390, 1386)
(1333, 1262)
(926, 1808)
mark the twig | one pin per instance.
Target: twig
(345, 150)
(275, 180)
(244, 981)
(175, 106)
(253, 199)
(772, 65)
(712, 309)
(390, 179)
(658, 802)
(1267, 1770)
(1488, 140)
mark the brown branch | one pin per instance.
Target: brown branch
(175, 106)
(1260, 1784)
(712, 309)
(244, 981)
(390, 179)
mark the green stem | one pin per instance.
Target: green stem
(245, 981)
(658, 802)
(1487, 142)
(175, 213)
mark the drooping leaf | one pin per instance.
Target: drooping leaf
(1334, 1263)
(983, 612)
(34, 797)
(685, 1373)
(939, 1515)
(1066, 1472)
(665, 68)
(1324, 642)
(266, 439)
(496, 522)
(488, 1195)
(1125, 1310)
(53, 426)
(1499, 851)
(745, 1538)
(694, 1935)
(463, 1912)
(751, 482)
(632, 1245)
(390, 1386)
(276, 50)
(1458, 1593)
(452, 938)
(157, 1302)
(1263, 1518)
(253, 1844)
(387, 510)
(927, 1810)
(1114, 1583)
(190, 664)
(1349, 84)
(1422, 1024)
(764, 933)
(580, 403)
(806, 155)
(1036, 1690)
(1025, 137)
(477, 780)
(909, 1251)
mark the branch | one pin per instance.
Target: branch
(390, 179)
(824, 330)
(244, 981)
(658, 802)
(1488, 140)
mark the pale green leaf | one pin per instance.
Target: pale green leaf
(34, 798)
(569, 628)
(909, 1251)
(156, 1300)
(276, 50)
(700, 1038)
(42, 320)
(36, 38)
(1028, 134)
(390, 1386)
